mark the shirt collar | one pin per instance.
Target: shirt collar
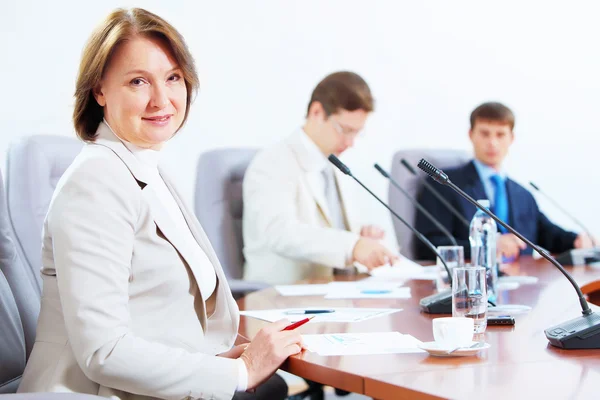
(316, 159)
(486, 172)
(148, 157)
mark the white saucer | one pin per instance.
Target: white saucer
(435, 349)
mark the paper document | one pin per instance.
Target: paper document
(406, 269)
(520, 279)
(303, 290)
(368, 289)
(342, 344)
(364, 289)
(332, 314)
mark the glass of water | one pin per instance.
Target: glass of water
(454, 257)
(469, 295)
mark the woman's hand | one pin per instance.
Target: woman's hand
(268, 350)
(235, 351)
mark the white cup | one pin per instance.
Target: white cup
(453, 332)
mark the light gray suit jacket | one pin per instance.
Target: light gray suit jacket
(122, 315)
(287, 225)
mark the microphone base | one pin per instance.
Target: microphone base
(579, 257)
(579, 333)
(438, 303)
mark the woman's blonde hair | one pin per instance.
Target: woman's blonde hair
(119, 26)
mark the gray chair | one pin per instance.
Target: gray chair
(12, 345)
(19, 306)
(441, 158)
(219, 208)
(19, 309)
(35, 164)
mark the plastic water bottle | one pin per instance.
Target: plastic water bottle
(482, 237)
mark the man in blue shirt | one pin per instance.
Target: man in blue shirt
(492, 134)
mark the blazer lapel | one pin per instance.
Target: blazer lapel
(313, 182)
(169, 230)
(202, 240)
(346, 200)
(511, 193)
(475, 189)
(312, 177)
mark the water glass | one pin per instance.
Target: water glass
(469, 295)
(454, 257)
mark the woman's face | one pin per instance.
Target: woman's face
(143, 92)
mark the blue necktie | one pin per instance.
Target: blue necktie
(500, 200)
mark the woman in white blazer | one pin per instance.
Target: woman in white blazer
(135, 303)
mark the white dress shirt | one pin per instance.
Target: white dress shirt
(328, 186)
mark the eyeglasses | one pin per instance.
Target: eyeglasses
(349, 132)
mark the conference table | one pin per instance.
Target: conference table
(519, 364)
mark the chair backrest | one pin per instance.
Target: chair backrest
(441, 158)
(19, 307)
(35, 164)
(219, 204)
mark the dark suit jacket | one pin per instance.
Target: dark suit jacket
(524, 215)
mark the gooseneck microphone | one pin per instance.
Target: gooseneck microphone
(580, 333)
(438, 303)
(555, 203)
(415, 203)
(440, 198)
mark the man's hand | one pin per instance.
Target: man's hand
(583, 241)
(509, 246)
(372, 254)
(372, 232)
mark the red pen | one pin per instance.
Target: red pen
(297, 324)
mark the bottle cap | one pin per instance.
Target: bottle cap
(484, 203)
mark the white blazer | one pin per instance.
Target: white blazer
(121, 314)
(286, 223)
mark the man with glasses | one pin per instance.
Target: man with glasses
(298, 221)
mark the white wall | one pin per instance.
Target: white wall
(428, 63)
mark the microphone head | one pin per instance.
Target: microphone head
(408, 166)
(435, 173)
(381, 170)
(339, 164)
(533, 185)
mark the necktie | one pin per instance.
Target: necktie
(333, 199)
(500, 200)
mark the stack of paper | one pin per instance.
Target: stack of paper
(340, 344)
(520, 279)
(364, 289)
(303, 290)
(367, 290)
(406, 272)
(321, 314)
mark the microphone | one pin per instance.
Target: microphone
(580, 333)
(415, 203)
(574, 256)
(440, 198)
(587, 232)
(438, 303)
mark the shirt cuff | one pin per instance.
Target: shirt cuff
(242, 376)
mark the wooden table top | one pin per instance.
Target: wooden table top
(520, 360)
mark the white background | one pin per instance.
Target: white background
(428, 63)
